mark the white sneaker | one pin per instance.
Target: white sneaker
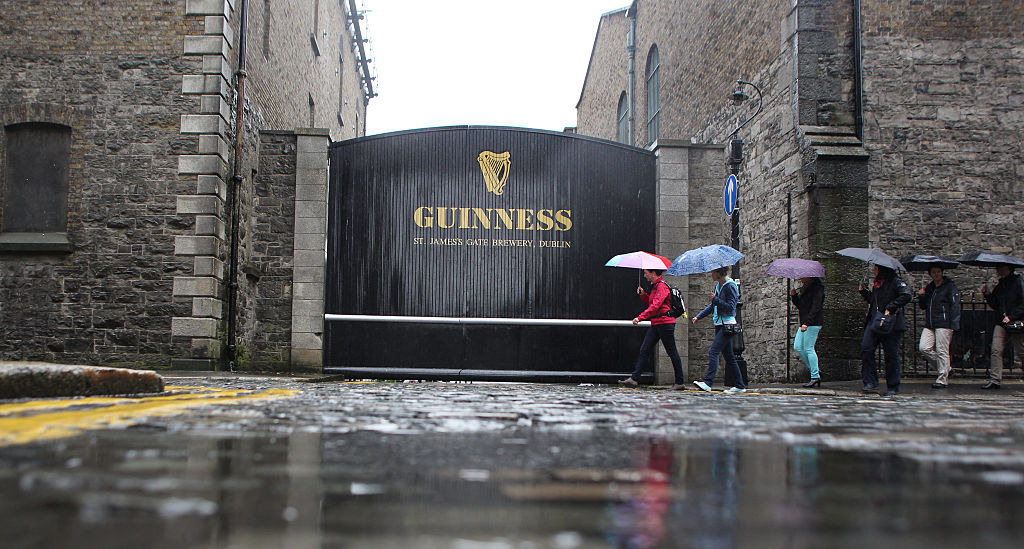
(703, 386)
(732, 390)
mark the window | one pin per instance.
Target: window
(653, 95)
(36, 179)
(266, 29)
(622, 135)
(341, 84)
(316, 26)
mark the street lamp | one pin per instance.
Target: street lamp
(738, 96)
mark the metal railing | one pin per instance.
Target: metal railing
(971, 347)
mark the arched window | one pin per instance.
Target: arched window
(622, 135)
(653, 94)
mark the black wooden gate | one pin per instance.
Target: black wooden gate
(460, 224)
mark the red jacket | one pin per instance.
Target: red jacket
(658, 304)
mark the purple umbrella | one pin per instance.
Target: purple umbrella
(794, 267)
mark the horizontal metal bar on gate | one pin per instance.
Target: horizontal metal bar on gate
(470, 320)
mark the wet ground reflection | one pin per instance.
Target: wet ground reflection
(492, 490)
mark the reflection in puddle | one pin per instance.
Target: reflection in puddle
(508, 489)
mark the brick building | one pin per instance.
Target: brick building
(894, 124)
(131, 197)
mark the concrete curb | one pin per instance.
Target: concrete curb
(39, 380)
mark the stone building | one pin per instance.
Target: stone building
(131, 196)
(893, 124)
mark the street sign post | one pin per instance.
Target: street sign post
(731, 194)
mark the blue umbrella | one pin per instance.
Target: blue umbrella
(704, 260)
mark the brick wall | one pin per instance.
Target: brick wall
(606, 79)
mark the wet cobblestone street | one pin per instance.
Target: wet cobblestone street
(520, 465)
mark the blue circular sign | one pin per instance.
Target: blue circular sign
(731, 193)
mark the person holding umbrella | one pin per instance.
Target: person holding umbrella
(810, 302)
(940, 300)
(723, 308)
(659, 305)
(716, 259)
(884, 326)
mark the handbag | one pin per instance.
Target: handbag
(881, 324)
(1015, 327)
(731, 329)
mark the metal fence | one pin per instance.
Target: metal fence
(970, 349)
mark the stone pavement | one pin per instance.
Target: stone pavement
(37, 380)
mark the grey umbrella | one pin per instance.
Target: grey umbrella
(871, 255)
(926, 262)
(989, 259)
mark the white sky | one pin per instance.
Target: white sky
(479, 62)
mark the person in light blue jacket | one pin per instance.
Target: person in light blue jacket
(723, 310)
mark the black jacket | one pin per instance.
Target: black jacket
(1008, 298)
(941, 305)
(891, 296)
(810, 301)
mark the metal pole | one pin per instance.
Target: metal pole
(467, 320)
(789, 282)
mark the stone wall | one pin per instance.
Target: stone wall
(108, 299)
(607, 76)
(140, 275)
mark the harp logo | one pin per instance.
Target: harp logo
(495, 168)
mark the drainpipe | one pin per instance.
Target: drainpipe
(858, 70)
(631, 48)
(236, 184)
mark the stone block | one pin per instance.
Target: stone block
(206, 45)
(199, 84)
(203, 204)
(215, 104)
(312, 143)
(207, 348)
(308, 324)
(312, 160)
(309, 258)
(202, 164)
(316, 193)
(308, 290)
(194, 327)
(203, 123)
(673, 202)
(209, 225)
(212, 185)
(216, 24)
(207, 307)
(311, 225)
(217, 64)
(311, 359)
(208, 7)
(310, 308)
(213, 144)
(310, 242)
(308, 274)
(307, 340)
(195, 286)
(208, 266)
(311, 209)
(311, 176)
(672, 170)
(196, 245)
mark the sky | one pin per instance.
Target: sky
(479, 62)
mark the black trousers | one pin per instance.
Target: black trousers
(890, 348)
(667, 334)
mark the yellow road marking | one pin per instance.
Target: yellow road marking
(19, 427)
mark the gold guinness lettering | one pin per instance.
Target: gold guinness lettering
(522, 219)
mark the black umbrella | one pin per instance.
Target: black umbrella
(926, 262)
(989, 259)
(871, 255)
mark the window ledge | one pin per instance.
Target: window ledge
(35, 242)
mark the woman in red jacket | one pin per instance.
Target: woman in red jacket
(663, 327)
